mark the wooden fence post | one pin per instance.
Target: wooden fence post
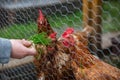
(92, 17)
(85, 13)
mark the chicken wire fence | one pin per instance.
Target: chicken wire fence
(18, 20)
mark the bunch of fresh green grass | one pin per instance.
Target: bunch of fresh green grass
(40, 38)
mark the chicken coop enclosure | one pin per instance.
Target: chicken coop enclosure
(19, 20)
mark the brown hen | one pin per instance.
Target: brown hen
(68, 57)
(43, 24)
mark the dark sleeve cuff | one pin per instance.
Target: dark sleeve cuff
(5, 50)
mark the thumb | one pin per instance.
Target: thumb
(31, 51)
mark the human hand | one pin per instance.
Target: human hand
(22, 48)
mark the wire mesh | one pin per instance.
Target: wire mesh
(18, 19)
(23, 72)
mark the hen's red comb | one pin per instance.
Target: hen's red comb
(41, 16)
(67, 32)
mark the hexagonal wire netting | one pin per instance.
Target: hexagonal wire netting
(18, 20)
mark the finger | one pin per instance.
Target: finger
(26, 43)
